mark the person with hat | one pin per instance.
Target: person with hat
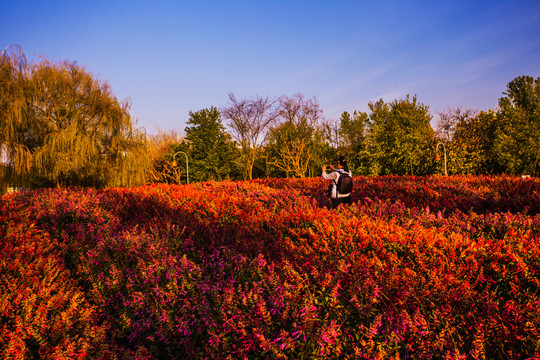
(341, 186)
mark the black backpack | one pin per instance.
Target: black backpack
(344, 183)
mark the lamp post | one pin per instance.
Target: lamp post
(438, 157)
(187, 163)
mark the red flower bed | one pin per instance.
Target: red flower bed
(421, 268)
(43, 313)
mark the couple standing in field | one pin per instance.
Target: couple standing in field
(341, 186)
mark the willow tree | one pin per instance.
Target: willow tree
(67, 128)
(15, 157)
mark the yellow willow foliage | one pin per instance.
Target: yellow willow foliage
(66, 153)
(13, 114)
(62, 126)
(132, 165)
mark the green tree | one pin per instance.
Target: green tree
(517, 141)
(401, 138)
(62, 126)
(211, 151)
(353, 130)
(473, 144)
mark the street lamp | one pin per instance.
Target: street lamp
(187, 164)
(438, 157)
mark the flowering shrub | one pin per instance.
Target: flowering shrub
(43, 313)
(419, 268)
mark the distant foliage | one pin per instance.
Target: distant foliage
(418, 267)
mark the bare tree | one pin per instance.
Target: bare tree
(331, 132)
(446, 126)
(249, 120)
(299, 110)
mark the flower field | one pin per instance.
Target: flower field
(417, 268)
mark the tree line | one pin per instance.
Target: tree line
(288, 137)
(62, 126)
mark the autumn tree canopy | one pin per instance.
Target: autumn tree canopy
(63, 126)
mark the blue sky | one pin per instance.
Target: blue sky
(172, 57)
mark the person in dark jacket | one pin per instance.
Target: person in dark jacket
(339, 168)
